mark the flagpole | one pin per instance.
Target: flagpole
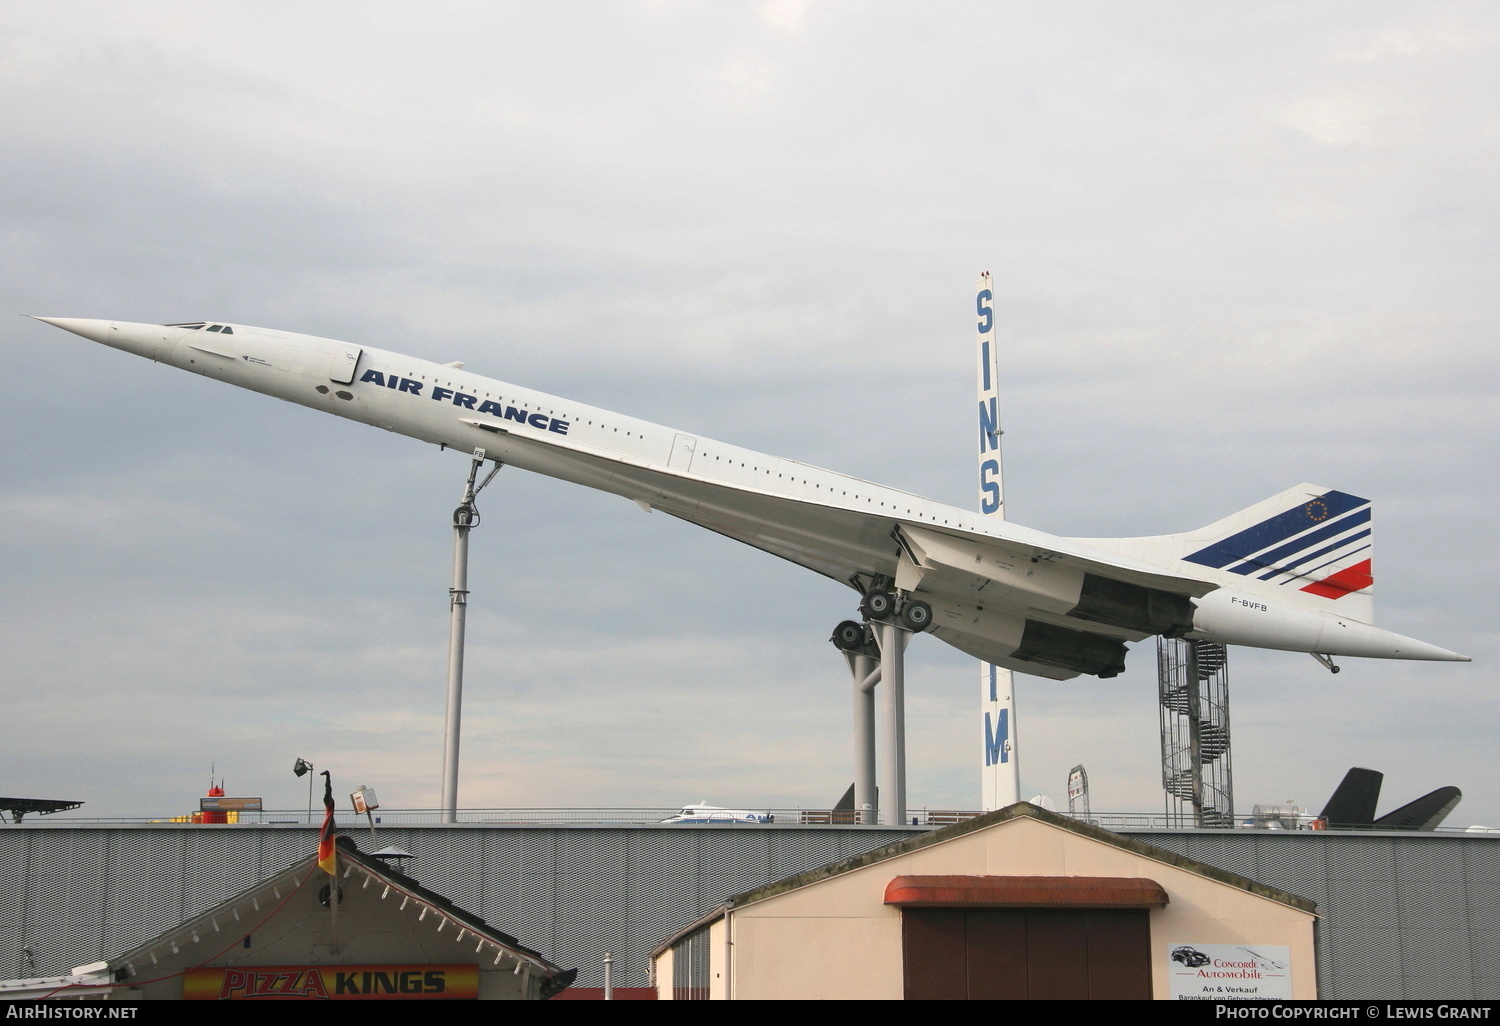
(465, 519)
(333, 916)
(328, 861)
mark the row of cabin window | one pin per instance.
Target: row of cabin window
(552, 413)
(816, 485)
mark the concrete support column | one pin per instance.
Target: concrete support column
(865, 669)
(892, 732)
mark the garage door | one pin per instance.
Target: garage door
(989, 954)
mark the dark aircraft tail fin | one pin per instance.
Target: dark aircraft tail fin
(1423, 814)
(1353, 803)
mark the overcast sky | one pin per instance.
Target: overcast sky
(1236, 247)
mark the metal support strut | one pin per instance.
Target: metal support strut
(465, 519)
(892, 640)
(864, 667)
(876, 653)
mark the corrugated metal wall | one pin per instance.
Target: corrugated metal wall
(75, 895)
(1404, 916)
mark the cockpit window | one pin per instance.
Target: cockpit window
(228, 330)
(217, 327)
(190, 326)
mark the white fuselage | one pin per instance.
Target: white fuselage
(838, 525)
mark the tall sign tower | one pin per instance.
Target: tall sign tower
(1000, 770)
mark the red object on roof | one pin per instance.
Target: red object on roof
(214, 791)
(1025, 892)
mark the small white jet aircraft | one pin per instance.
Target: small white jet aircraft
(705, 813)
(1291, 572)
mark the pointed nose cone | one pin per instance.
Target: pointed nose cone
(95, 331)
(153, 341)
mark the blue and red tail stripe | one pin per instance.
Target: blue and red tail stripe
(1308, 557)
(1297, 552)
(1282, 545)
(1276, 530)
(1343, 557)
(1350, 579)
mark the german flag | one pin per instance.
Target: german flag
(327, 850)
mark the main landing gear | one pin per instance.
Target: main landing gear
(875, 650)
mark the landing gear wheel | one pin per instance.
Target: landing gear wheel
(878, 605)
(849, 635)
(916, 615)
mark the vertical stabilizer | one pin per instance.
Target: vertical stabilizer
(1310, 541)
(1309, 546)
(1353, 802)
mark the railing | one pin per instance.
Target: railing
(1138, 820)
(1133, 821)
(918, 818)
(512, 817)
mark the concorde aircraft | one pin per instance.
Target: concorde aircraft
(1291, 572)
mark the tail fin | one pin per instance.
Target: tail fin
(1423, 814)
(1353, 802)
(1308, 545)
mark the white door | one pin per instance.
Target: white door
(682, 452)
(343, 363)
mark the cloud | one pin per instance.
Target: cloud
(1352, 118)
(1234, 250)
(788, 16)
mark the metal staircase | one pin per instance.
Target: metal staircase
(1193, 682)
